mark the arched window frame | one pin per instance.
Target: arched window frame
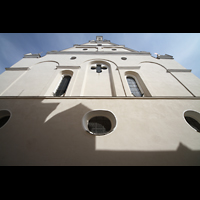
(138, 84)
(64, 73)
(143, 88)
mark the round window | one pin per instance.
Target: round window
(99, 125)
(85, 49)
(99, 122)
(4, 117)
(193, 119)
(123, 58)
(73, 58)
(114, 49)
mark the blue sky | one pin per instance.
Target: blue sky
(184, 47)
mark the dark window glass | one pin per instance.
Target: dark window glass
(134, 87)
(99, 125)
(195, 124)
(3, 120)
(99, 69)
(63, 86)
(4, 117)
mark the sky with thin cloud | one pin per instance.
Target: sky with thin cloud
(184, 47)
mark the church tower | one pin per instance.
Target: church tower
(99, 103)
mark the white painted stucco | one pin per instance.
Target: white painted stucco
(48, 130)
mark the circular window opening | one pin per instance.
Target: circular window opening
(73, 58)
(114, 49)
(4, 117)
(193, 119)
(99, 125)
(85, 49)
(123, 58)
(99, 122)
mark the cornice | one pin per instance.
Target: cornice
(98, 52)
(32, 55)
(17, 69)
(179, 70)
(67, 67)
(104, 97)
(129, 67)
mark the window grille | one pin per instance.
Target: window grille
(99, 125)
(134, 87)
(63, 86)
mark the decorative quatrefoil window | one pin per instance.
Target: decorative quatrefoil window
(99, 68)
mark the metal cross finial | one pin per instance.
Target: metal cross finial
(99, 68)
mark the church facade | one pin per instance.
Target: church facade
(99, 103)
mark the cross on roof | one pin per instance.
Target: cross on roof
(99, 38)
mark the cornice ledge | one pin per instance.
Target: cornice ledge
(30, 55)
(67, 67)
(129, 67)
(17, 69)
(98, 52)
(179, 70)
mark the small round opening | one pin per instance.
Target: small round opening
(85, 49)
(123, 58)
(114, 49)
(73, 58)
(193, 119)
(4, 117)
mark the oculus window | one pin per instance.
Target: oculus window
(4, 117)
(99, 122)
(99, 125)
(193, 119)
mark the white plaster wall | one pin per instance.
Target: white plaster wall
(190, 81)
(161, 83)
(8, 78)
(33, 81)
(50, 132)
(154, 76)
(97, 84)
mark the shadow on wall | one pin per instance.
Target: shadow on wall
(62, 141)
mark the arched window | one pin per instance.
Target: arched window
(63, 86)
(135, 90)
